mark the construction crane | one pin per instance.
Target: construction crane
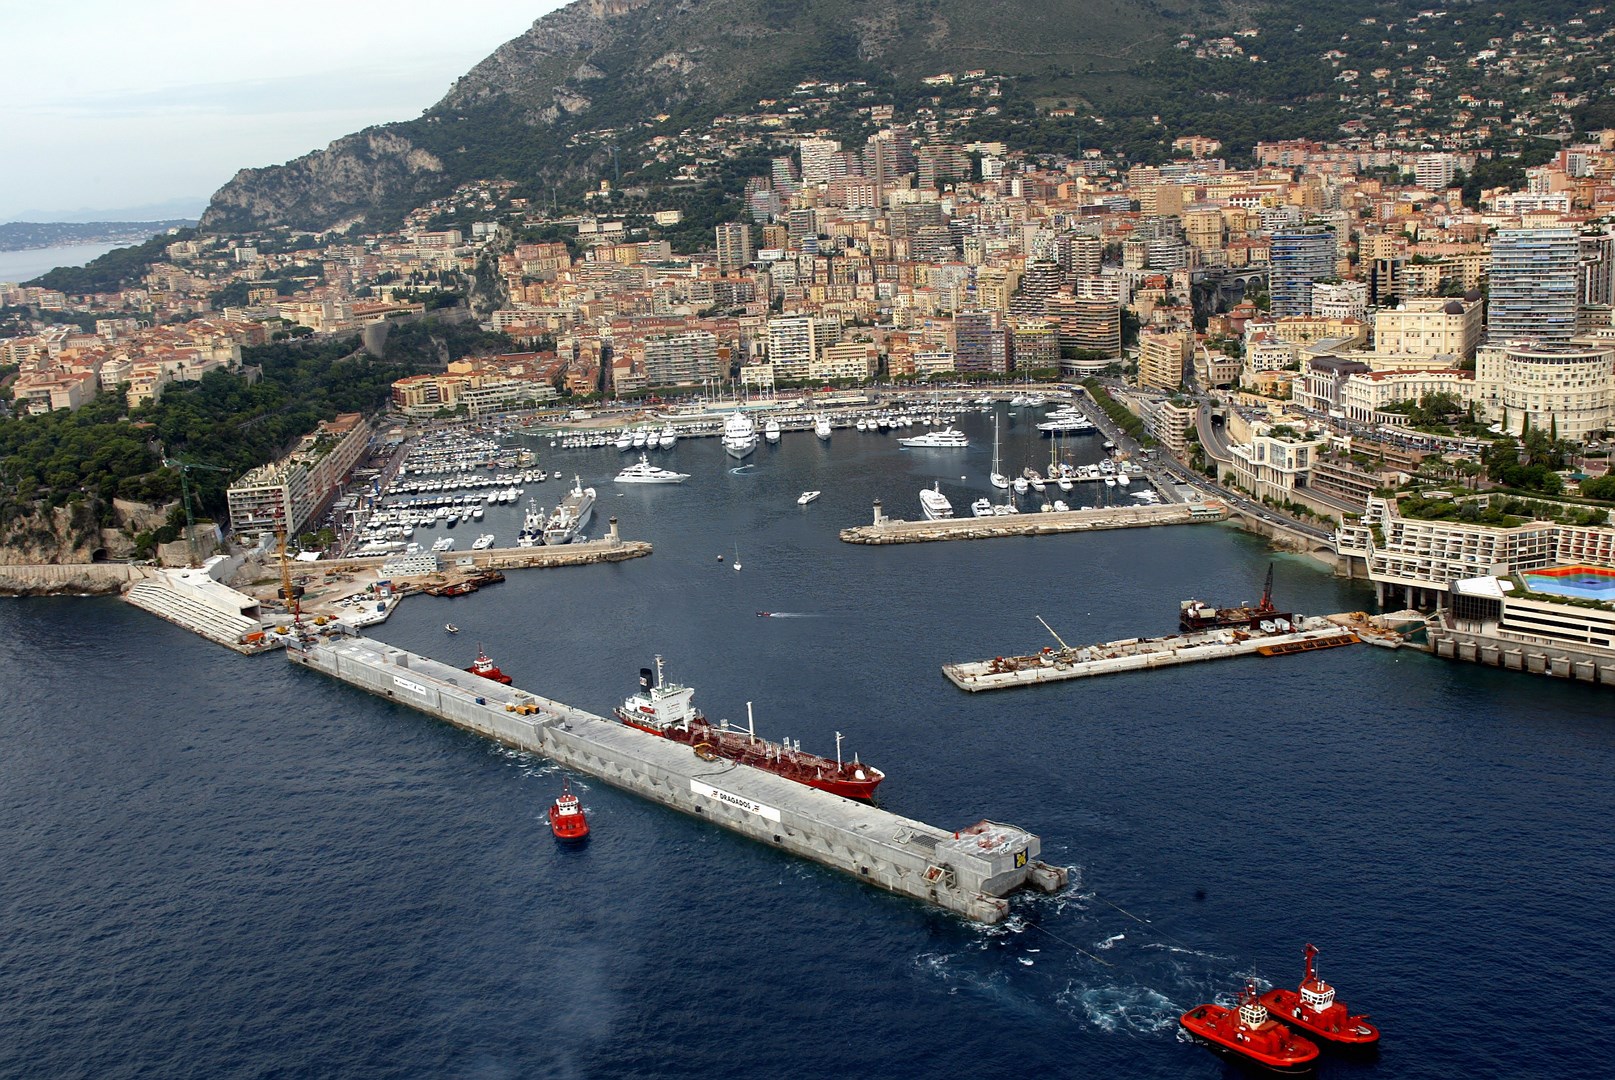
(290, 593)
(184, 468)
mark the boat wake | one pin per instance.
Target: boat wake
(1119, 1008)
(741, 469)
(788, 615)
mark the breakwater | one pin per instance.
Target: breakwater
(970, 871)
(888, 531)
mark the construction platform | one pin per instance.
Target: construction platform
(1139, 654)
(970, 871)
(885, 530)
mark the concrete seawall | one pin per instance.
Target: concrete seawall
(887, 531)
(970, 871)
(69, 579)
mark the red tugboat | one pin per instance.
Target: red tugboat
(483, 665)
(567, 821)
(1249, 1033)
(1315, 1011)
(664, 709)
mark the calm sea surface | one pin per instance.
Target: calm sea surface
(220, 867)
(18, 266)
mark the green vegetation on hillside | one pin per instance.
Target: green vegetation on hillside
(105, 451)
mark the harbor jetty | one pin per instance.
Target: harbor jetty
(1139, 654)
(970, 871)
(886, 530)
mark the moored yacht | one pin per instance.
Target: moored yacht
(771, 431)
(935, 504)
(821, 427)
(739, 435)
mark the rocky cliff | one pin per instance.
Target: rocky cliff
(68, 535)
(530, 110)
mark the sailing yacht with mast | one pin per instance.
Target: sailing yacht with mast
(999, 480)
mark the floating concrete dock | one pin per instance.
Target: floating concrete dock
(970, 871)
(888, 531)
(1138, 654)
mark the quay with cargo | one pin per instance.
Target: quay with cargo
(1141, 654)
(970, 871)
(886, 530)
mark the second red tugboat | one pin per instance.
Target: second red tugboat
(1249, 1033)
(1315, 1011)
(664, 709)
(567, 820)
(483, 665)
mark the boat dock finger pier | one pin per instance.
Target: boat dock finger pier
(1139, 654)
(970, 872)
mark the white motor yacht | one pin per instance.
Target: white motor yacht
(806, 497)
(948, 438)
(739, 435)
(771, 431)
(935, 504)
(821, 427)
(643, 472)
(982, 508)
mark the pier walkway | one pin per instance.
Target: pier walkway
(1139, 654)
(888, 531)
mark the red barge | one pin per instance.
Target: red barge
(664, 709)
(483, 665)
(1248, 1032)
(1315, 1011)
(567, 820)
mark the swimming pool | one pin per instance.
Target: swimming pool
(1588, 582)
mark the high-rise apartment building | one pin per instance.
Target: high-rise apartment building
(1533, 281)
(1161, 358)
(1297, 258)
(979, 343)
(735, 248)
(821, 162)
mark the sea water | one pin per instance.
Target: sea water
(226, 866)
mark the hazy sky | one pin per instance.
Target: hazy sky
(122, 103)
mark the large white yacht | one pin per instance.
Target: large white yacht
(935, 504)
(771, 431)
(739, 435)
(948, 437)
(572, 515)
(821, 427)
(643, 472)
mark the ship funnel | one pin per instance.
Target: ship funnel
(647, 679)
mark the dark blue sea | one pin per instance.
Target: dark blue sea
(225, 867)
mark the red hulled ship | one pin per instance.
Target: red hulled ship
(483, 665)
(664, 709)
(1194, 616)
(1314, 1010)
(1247, 1031)
(567, 820)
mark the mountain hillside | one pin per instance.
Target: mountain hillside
(605, 64)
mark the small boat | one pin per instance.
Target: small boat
(764, 614)
(1314, 1010)
(451, 628)
(1247, 1031)
(484, 666)
(737, 556)
(806, 497)
(982, 508)
(567, 820)
(771, 431)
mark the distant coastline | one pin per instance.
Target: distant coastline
(29, 263)
(40, 235)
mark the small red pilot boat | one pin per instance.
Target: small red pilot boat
(566, 816)
(485, 667)
(1247, 1032)
(1315, 1011)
